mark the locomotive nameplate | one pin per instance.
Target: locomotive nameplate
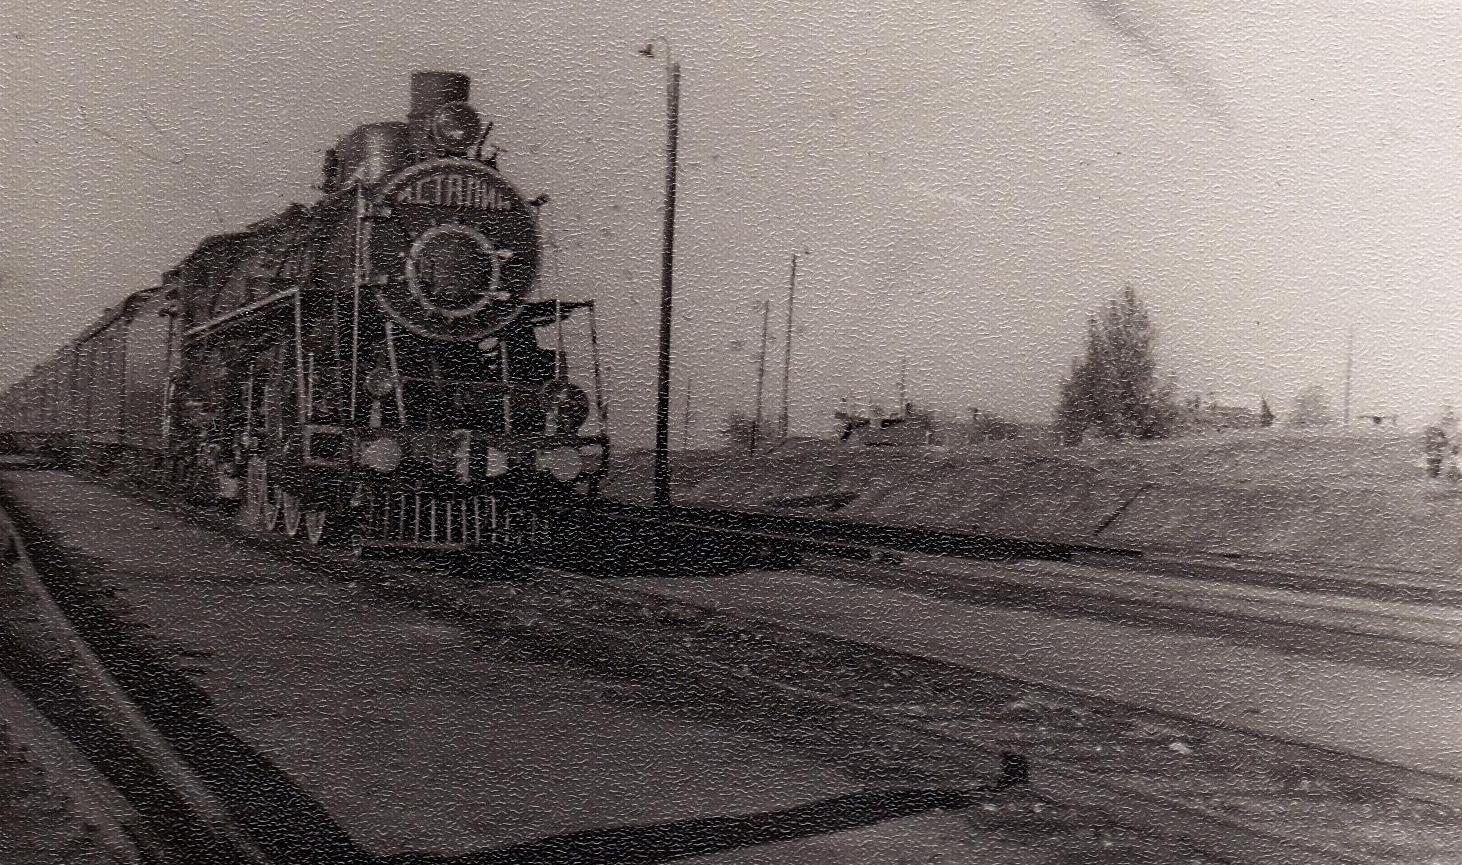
(455, 189)
(453, 250)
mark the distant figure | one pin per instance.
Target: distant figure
(1435, 446)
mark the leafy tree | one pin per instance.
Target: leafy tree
(1312, 408)
(1115, 388)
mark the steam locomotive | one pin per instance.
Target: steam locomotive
(379, 366)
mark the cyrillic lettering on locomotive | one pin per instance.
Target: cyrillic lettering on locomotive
(450, 189)
(453, 250)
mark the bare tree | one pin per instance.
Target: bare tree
(1115, 388)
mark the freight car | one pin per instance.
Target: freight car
(380, 366)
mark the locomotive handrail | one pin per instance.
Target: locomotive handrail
(215, 323)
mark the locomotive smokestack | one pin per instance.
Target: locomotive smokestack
(431, 90)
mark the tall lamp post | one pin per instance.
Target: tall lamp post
(667, 259)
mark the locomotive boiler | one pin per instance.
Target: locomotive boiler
(380, 366)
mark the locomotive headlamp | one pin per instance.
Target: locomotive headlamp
(379, 383)
(456, 126)
(382, 454)
(564, 464)
(566, 405)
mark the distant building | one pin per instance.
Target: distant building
(872, 425)
(1209, 414)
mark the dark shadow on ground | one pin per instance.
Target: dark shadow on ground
(642, 845)
(605, 548)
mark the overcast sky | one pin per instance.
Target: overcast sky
(971, 179)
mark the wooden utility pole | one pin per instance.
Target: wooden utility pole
(685, 422)
(903, 385)
(787, 356)
(761, 371)
(1349, 366)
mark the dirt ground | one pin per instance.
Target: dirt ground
(39, 822)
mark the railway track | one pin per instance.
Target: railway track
(1362, 795)
(55, 809)
(171, 815)
(798, 722)
(1076, 577)
(1422, 636)
(1151, 773)
(1151, 776)
(833, 535)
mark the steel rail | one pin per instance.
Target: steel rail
(817, 534)
(1378, 624)
(848, 533)
(1128, 804)
(1440, 786)
(201, 825)
(99, 808)
(821, 534)
(1329, 578)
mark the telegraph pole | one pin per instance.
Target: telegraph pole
(761, 371)
(685, 424)
(787, 356)
(903, 384)
(1349, 367)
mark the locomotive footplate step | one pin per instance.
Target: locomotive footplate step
(375, 727)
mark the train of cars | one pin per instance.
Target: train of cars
(379, 366)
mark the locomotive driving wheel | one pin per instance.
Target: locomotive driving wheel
(269, 513)
(315, 526)
(289, 505)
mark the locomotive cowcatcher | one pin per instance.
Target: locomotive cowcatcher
(380, 366)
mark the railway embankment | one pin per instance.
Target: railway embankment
(1355, 500)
